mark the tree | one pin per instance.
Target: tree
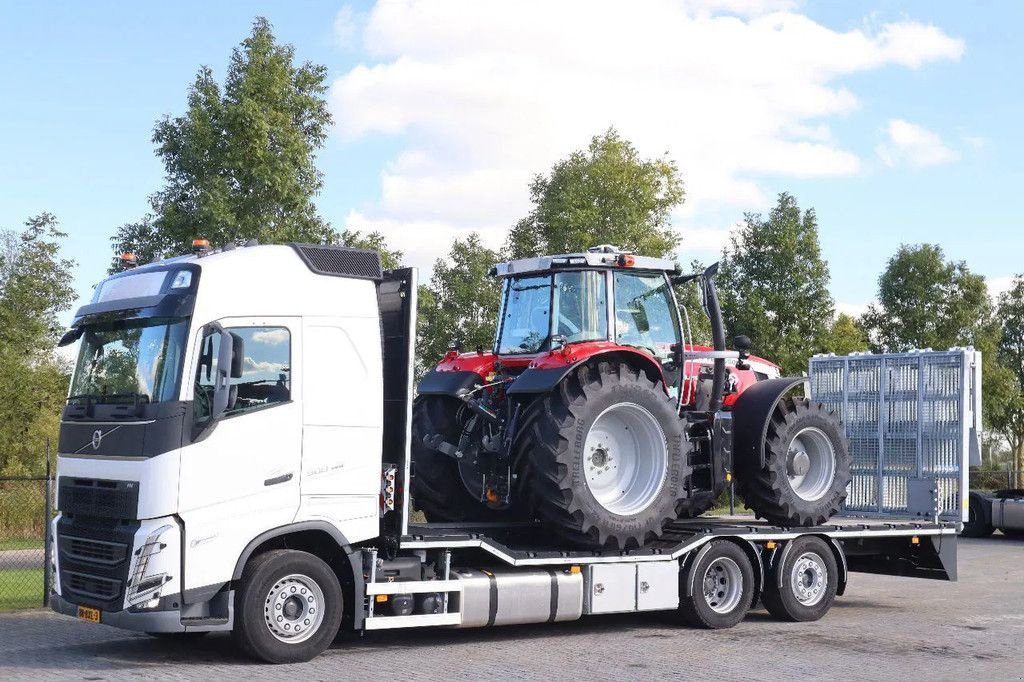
(375, 241)
(35, 287)
(845, 336)
(1005, 395)
(925, 301)
(460, 303)
(239, 163)
(774, 285)
(605, 194)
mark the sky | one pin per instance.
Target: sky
(898, 121)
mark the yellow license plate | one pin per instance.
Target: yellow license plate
(86, 613)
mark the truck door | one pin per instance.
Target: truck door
(240, 474)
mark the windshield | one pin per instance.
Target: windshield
(580, 311)
(130, 360)
(526, 322)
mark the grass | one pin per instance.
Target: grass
(21, 543)
(21, 588)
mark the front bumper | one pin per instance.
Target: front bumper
(140, 621)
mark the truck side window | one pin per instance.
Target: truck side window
(266, 371)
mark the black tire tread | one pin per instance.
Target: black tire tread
(766, 490)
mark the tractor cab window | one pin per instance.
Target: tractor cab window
(581, 306)
(266, 371)
(526, 318)
(645, 314)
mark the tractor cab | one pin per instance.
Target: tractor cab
(603, 295)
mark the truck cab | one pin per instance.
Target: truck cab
(220, 401)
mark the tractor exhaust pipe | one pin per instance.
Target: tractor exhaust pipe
(714, 311)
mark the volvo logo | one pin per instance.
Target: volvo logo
(97, 438)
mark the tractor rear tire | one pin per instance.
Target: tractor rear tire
(601, 459)
(437, 486)
(806, 469)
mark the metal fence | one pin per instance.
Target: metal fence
(996, 479)
(25, 509)
(913, 424)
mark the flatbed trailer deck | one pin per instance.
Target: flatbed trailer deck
(494, 574)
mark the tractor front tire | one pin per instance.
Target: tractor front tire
(601, 459)
(806, 469)
(437, 486)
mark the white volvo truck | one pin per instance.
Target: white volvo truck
(235, 456)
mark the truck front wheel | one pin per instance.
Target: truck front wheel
(288, 608)
(803, 586)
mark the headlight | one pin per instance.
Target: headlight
(141, 585)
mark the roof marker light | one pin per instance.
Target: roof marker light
(627, 260)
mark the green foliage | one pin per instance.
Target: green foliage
(845, 336)
(239, 163)
(605, 194)
(389, 259)
(773, 284)
(1006, 411)
(35, 286)
(926, 302)
(460, 303)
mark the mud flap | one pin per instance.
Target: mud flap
(751, 417)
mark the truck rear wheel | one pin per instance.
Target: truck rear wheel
(717, 589)
(601, 458)
(288, 608)
(977, 526)
(803, 586)
(806, 469)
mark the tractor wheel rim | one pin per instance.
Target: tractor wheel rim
(809, 579)
(811, 464)
(625, 458)
(294, 608)
(723, 585)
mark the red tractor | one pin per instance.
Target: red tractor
(595, 415)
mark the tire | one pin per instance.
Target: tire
(570, 446)
(802, 437)
(437, 486)
(809, 576)
(281, 578)
(717, 590)
(976, 526)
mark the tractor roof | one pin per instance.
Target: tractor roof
(602, 257)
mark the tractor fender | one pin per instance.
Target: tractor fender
(548, 373)
(447, 383)
(751, 416)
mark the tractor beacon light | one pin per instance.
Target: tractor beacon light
(200, 246)
(129, 261)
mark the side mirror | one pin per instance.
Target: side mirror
(70, 336)
(237, 355)
(221, 380)
(742, 344)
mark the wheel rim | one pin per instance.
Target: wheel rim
(811, 464)
(625, 457)
(294, 608)
(723, 585)
(809, 579)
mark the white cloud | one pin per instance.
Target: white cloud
(262, 366)
(914, 145)
(975, 141)
(347, 25)
(854, 310)
(483, 95)
(997, 285)
(272, 337)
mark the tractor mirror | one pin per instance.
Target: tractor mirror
(741, 343)
(237, 355)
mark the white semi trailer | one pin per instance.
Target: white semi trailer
(235, 456)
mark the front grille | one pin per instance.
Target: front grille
(99, 551)
(98, 497)
(94, 554)
(104, 589)
(340, 261)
